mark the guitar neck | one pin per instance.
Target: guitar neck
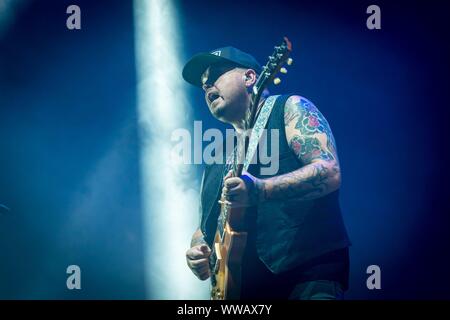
(254, 108)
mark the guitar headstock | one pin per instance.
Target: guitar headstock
(274, 65)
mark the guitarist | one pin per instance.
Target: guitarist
(297, 244)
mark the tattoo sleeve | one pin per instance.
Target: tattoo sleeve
(310, 138)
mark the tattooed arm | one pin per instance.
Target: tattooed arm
(310, 138)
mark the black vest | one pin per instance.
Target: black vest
(287, 233)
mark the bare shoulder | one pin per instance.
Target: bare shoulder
(299, 102)
(307, 131)
(297, 106)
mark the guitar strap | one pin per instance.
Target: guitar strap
(220, 171)
(258, 129)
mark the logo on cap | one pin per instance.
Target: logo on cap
(216, 53)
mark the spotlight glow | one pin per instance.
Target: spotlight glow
(169, 203)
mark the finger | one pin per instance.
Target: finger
(237, 204)
(232, 182)
(205, 249)
(228, 194)
(202, 269)
(195, 253)
(204, 275)
(228, 175)
(196, 264)
(234, 191)
(198, 268)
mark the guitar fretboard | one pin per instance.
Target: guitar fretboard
(224, 209)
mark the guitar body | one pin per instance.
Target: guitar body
(229, 249)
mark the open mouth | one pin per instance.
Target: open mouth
(212, 97)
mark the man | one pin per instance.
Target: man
(297, 246)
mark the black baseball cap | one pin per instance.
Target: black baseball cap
(198, 64)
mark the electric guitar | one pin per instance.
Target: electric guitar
(231, 236)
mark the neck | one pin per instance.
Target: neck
(239, 124)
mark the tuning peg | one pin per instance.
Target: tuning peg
(283, 70)
(289, 61)
(276, 81)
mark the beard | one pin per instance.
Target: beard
(219, 110)
(228, 109)
(220, 113)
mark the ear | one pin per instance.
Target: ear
(249, 77)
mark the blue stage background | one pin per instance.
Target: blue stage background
(69, 147)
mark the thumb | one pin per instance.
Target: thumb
(229, 175)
